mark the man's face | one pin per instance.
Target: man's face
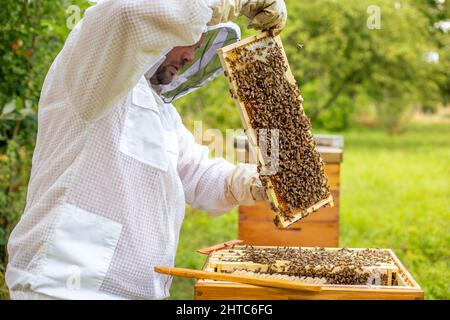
(175, 60)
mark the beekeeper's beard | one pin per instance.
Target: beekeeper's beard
(163, 75)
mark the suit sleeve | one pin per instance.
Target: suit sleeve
(118, 41)
(203, 179)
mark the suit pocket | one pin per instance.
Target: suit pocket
(142, 136)
(79, 252)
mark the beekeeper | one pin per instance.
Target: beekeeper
(114, 165)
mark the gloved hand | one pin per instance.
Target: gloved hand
(262, 14)
(243, 185)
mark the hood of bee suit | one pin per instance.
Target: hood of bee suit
(205, 66)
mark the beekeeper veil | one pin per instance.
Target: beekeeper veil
(205, 66)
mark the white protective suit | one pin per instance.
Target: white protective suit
(113, 164)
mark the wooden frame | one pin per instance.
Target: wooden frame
(225, 54)
(405, 286)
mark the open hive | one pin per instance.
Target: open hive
(270, 103)
(349, 273)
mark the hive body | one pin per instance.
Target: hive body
(347, 273)
(271, 110)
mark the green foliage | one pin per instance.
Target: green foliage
(342, 58)
(31, 36)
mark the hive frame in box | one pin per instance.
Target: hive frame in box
(223, 54)
(225, 261)
(405, 288)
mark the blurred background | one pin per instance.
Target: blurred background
(376, 72)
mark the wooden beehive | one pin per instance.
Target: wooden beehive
(397, 282)
(319, 229)
(260, 47)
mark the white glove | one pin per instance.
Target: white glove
(262, 14)
(243, 185)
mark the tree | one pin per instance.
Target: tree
(438, 12)
(346, 55)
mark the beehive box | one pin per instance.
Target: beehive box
(394, 280)
(270, 106)
(256, 225)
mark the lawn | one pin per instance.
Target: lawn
(395, 193)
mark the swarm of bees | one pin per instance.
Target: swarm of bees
(274, 102)
(340, 266)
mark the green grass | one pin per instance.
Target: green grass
(395, 193)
